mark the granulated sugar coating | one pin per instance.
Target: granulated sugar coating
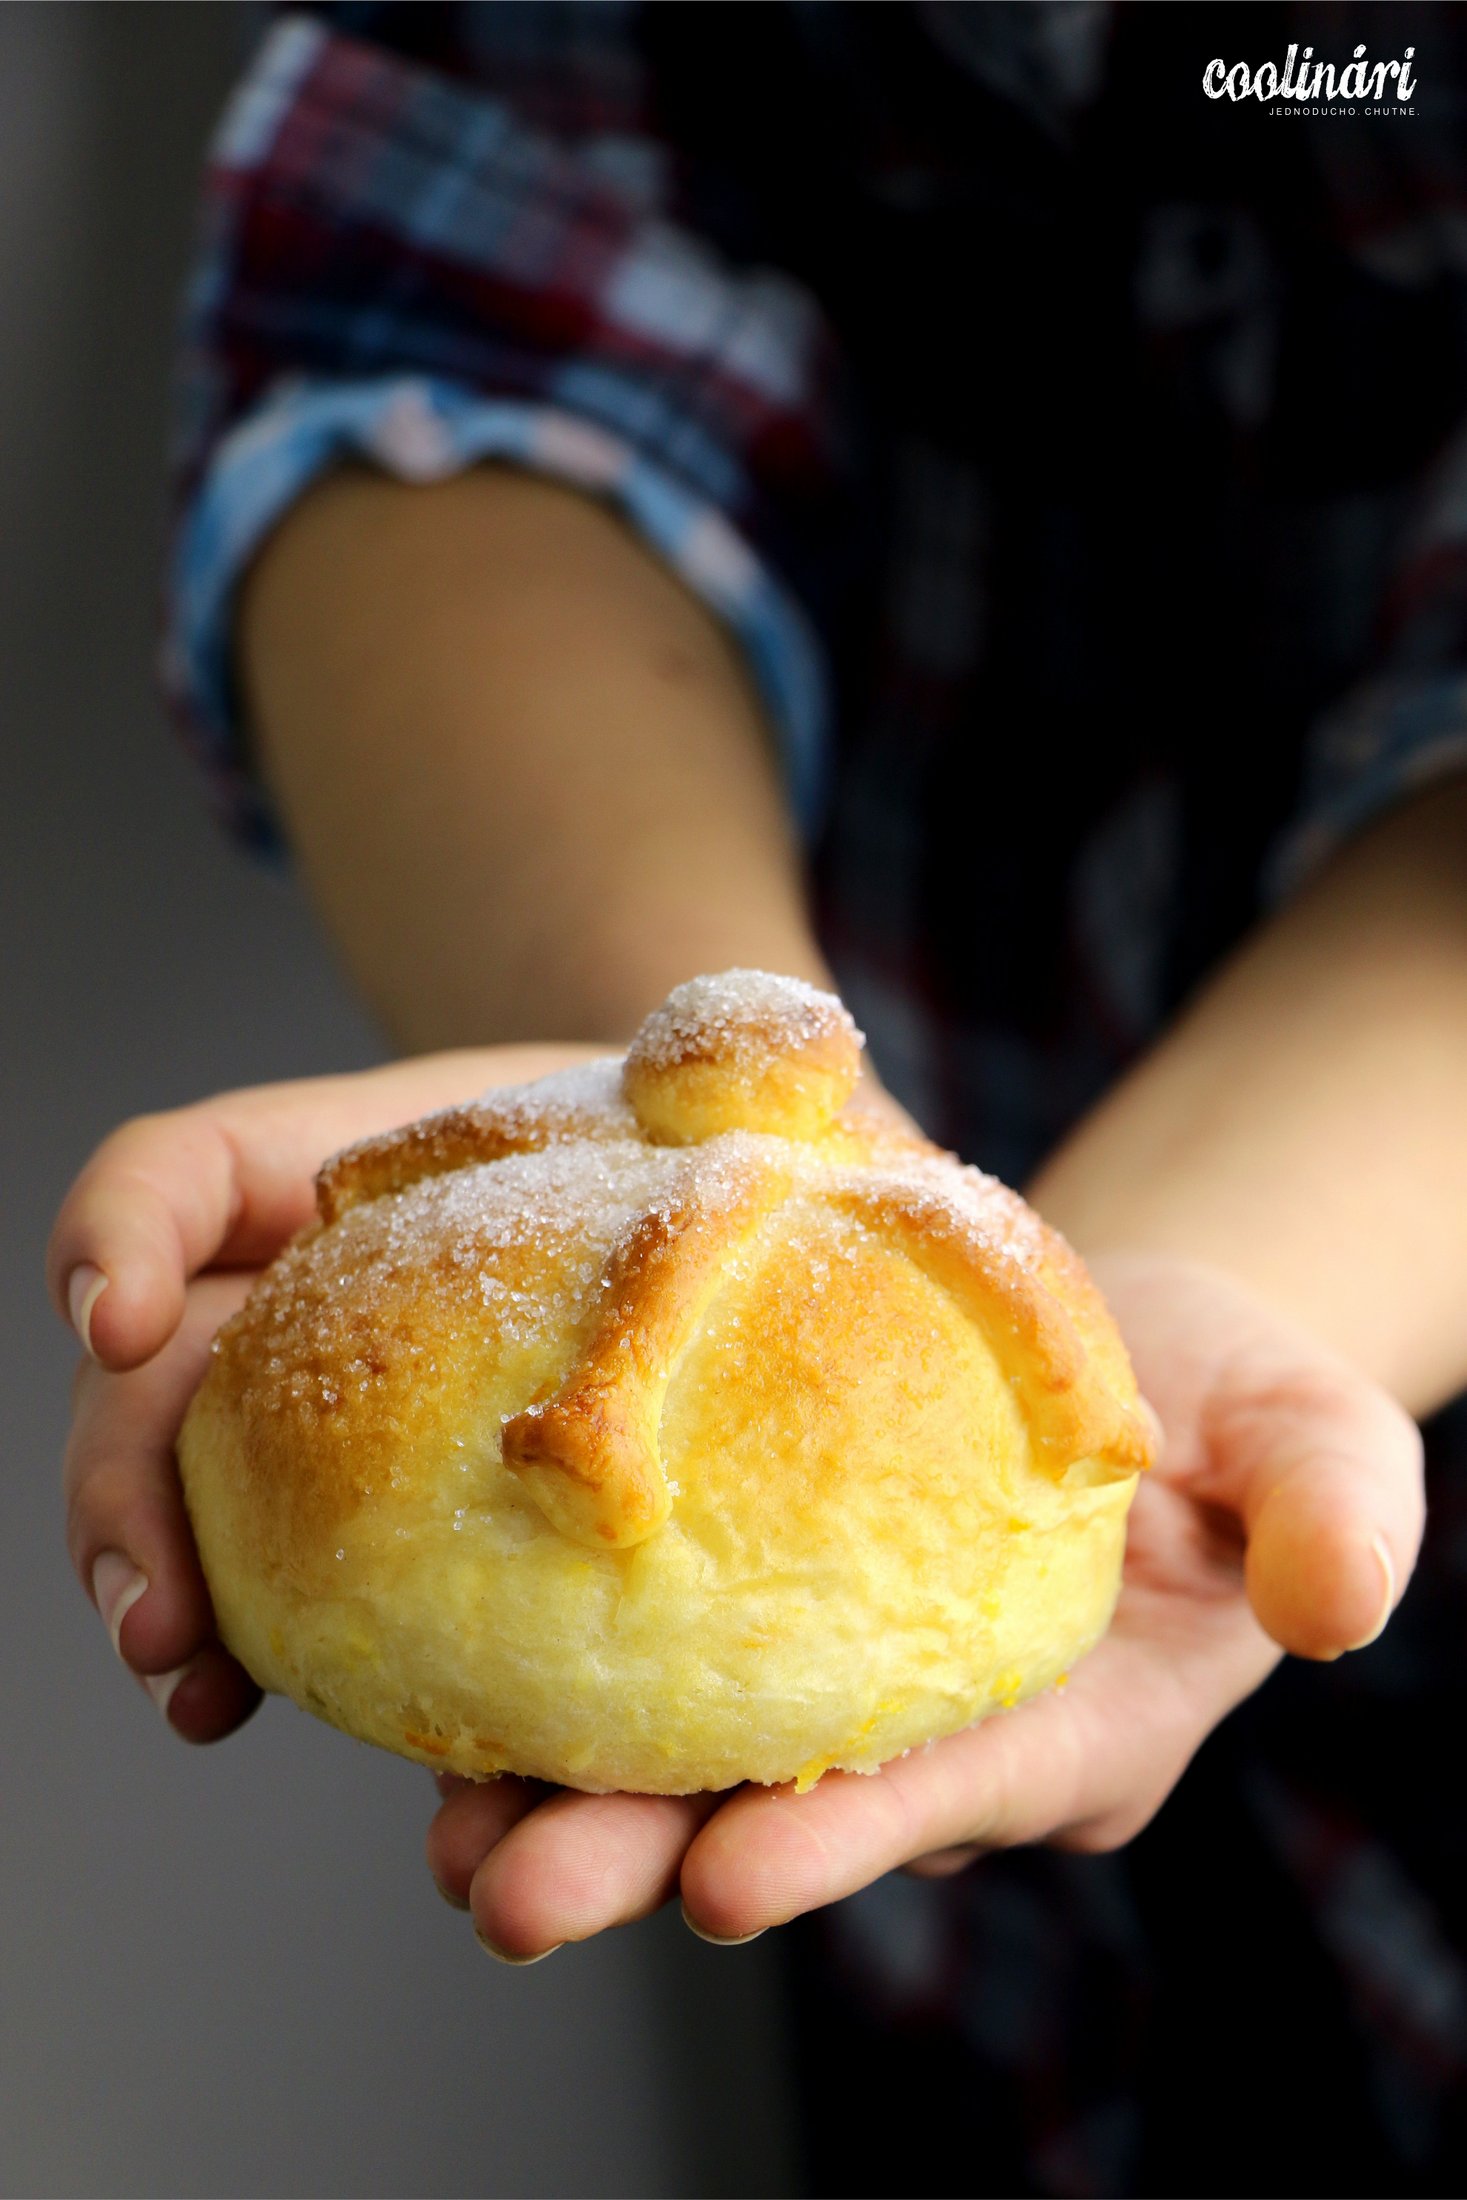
(742, 1051)
(666, 1423)
(582, 1101)
(740, 1012)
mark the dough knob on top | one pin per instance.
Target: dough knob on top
(884, 1508)
(744, 1051)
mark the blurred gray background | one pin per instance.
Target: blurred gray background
(221, 1971)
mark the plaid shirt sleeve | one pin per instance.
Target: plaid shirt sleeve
(400, 266)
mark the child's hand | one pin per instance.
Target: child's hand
(157, 1242)
(1286, 1511)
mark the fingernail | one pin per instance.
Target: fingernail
(1381, 1549)
(116, 1585)
(82, 1293)
(722, 1940)
(454, 1901)
(516, 1963)
(161, 1687)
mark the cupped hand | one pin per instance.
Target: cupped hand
(1284, 1514)
(155, 1245)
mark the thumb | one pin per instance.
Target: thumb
(1332, 1503)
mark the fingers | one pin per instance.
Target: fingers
(474, 1817)
(1085, 1769)
(943, 1863)
(1319, 1464)
(1329, 1484)
(578, 1864)
(159, 1200)
(129, 1535)
(226, 1182)
(1321, 1570)
(213, 1697)
(770, 1855)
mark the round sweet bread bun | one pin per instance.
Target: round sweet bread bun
(671, 1422)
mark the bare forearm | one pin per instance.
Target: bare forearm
(521, 766)
(1305, 1123)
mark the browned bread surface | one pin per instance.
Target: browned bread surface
(668, 1422)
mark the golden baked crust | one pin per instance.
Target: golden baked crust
(667, 1423)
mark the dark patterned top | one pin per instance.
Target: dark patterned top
(1081, 462)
